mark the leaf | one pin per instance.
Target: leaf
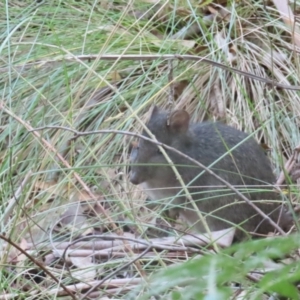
(282, 281)
(212, 272)
(86, 269)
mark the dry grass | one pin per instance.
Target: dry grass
(45, 81)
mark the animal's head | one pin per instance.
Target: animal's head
(147, 161)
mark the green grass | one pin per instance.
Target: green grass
(46, 81)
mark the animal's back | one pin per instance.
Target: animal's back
(241, 161)
(232, 151)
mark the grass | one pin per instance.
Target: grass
(47, 80)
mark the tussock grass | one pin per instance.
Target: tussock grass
(45, 81)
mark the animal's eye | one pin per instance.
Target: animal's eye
(133, 146)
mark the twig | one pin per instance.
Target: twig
(61, 159)
(149, 246)
(157, 57)
(67, 165)
(124, 283)
(9, 241)
(112, 287)
(191, 243)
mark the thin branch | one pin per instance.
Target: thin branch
(9, 241)
(133, 261)
(67, 165)
(62, 160)
(154, 57)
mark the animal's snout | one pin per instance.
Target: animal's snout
(135, 178)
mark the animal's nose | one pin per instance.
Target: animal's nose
(134, 178)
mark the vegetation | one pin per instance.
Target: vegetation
(100, 65)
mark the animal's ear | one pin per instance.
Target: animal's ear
(179, 121)
(154, 112)
(132, 145)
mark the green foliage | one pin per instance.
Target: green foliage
(210, 276)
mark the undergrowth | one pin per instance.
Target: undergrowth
(63, 64)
